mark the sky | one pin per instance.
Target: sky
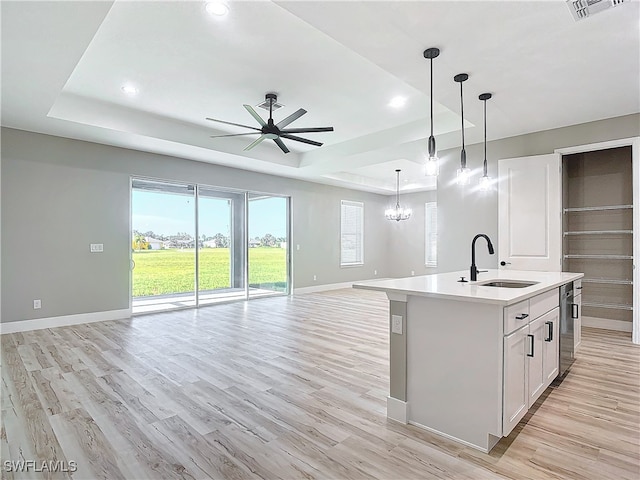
(168, 214)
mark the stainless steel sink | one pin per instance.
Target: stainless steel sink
(506, 283)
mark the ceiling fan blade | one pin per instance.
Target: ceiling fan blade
(291, 118)
(255, 115)
(307, 130)
(300, 139)
(256, 142)
(234, 135)
(282, 146)
(231, 123)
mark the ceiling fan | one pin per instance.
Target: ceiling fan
(274, 131)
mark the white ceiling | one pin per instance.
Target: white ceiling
(63, 65)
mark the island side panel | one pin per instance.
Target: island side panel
(454, 369)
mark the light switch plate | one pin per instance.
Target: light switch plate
(97, 247)
(396, 324)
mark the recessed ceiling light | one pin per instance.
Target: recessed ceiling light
(129, 89)
(397, 102)
(219, 9)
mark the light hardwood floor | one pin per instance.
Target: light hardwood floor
(286, 388)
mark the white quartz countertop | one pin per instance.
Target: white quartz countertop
(446, 285)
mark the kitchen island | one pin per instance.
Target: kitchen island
(468, 359)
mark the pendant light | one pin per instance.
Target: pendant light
(398, 213)
(463, 174)
(485, 180)
(431, 167)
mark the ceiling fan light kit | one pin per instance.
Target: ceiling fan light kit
(431, 167)
(397, 213)
(274, 131)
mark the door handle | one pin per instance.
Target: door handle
(550, 336)
(532, 340)
(574, 310)
(503, 263)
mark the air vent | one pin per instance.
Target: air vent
(581, 9)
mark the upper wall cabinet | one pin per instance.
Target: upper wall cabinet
(529, 213)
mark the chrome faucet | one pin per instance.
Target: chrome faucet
(474, 270)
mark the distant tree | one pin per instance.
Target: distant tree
(268, 240)
(139, 242)
(221, 240)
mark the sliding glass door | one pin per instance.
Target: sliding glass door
(268, 228)
(162, 246)
(196, 245)
(221, 252)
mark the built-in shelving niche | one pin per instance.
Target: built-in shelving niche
(598, 230)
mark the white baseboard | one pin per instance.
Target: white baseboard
(63, 320)
(607, 324)
(396, 410)
(329, 286)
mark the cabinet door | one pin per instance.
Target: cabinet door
(577, 322)
(515, 379)
(535, 355)
(529, 219)
(551, 345)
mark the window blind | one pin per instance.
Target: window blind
(351, 233)
(431, 234)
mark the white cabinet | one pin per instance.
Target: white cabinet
(516, 346)
(535, 357)
(530, 355)
(551, 345)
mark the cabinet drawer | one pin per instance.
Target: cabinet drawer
(515, 316)
(543, 303)
(577, 287)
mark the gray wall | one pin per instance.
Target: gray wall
(406, 243)
(59, 195)
(463, 212)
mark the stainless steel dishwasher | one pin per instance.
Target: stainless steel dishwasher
(567, 316)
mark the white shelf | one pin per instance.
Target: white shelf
(597, 209)
(601, 232)
(610, 281)
(602, 257)
(608, 305)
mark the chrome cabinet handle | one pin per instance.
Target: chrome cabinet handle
(550, 336)
(522, 316)
(532, 340)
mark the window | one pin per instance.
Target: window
(431, 234)
(351, 233)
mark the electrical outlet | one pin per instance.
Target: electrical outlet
(315, 278)
(37, 304)
(396, 324)
(375, 272)
(298, 246)
(96, 247)
(413, 272)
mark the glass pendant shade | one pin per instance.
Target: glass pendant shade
(485, 180)
(485, 183)
(431, 166)
(463, 173)
(397, 213)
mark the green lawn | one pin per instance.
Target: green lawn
(159, 272)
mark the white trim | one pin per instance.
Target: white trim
(456, 439)
(64, 320)
(634, 142)
(590, 147)
(607, 324)
(322, 288)
(397, 410)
